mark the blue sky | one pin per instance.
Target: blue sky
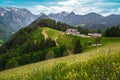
(104, 7)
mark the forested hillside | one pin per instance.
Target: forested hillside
(30, 45)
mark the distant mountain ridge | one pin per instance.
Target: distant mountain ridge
(91, 21)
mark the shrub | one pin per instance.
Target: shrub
(11, 63)
(50, 54)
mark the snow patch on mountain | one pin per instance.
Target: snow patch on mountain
(1, 14)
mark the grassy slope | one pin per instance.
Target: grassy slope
(71, 67)
(63, 38)
(94, 64)
(106, 40)
(52, 33)
(37, 34)
(1, 41)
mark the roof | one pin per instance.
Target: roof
(71, 30)
(94, 34)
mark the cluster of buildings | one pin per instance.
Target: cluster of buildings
(76, 32)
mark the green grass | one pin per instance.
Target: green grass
(106, 40)
(62, 38)
(96, 64)
(51, 32)
(37, 35)
(1, 41)
(66, 40)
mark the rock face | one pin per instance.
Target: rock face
(91, 21)
(12, 19)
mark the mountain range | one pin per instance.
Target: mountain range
(91, 21)
(12, 19)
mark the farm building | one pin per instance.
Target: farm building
(94, 34)
(72, 31)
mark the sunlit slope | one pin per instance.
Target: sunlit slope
(1, 41)
(100, 63)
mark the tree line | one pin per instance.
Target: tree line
(51, 24)
(114, 31)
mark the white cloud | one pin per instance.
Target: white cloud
(69, 3)
(112, 11)
(52, 9)
(105, 4)
(78, 6)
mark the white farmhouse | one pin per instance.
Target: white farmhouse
(72, 31)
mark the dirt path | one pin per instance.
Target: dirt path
(63, 33)
(56, 41)
(44, 34)
(70, 52)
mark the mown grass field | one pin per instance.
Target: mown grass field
(100, 63)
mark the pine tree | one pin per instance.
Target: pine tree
(77, 47)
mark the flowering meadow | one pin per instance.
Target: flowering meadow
(101, 63)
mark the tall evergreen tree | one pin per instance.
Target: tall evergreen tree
(78, 46)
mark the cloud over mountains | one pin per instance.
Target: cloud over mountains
(103, 7)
